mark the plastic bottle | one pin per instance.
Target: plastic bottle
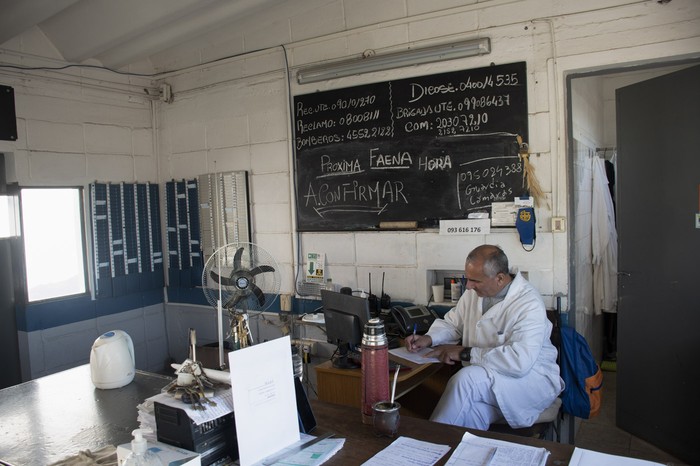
(455, 291)
(140, 456)
(375, 367)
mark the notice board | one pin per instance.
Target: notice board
(417, 149)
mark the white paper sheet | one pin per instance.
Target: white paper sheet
(264, 400)
(405, 450)
(222, 398)
(418, 357)
(506, 454)
(583, 457)
(315, 455)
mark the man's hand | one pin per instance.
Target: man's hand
(449, 354)
(418, 342)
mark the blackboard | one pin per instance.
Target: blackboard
(417, 149)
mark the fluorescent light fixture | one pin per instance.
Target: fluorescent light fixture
(389, 61)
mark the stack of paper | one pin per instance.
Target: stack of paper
(480, 451)
(405, 450)
(147, 420)
(223, 406)
(471, 451)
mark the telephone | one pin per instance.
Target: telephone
(407, 317)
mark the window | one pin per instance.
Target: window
(8, 216)
(54, 252)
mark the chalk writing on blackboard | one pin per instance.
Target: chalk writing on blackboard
(423, 149)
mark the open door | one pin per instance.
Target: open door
(10, 247)
(658, 359)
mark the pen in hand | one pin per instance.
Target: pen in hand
(413, 340)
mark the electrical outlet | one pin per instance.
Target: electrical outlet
(558, 224)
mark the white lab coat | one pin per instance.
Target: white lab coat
(512, 342)
(603, 242)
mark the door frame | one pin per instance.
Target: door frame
(570, 76)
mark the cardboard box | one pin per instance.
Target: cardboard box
(168, 454)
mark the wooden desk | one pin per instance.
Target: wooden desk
(361, 443)
(418, 388)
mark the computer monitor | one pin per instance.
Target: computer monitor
(345, 317)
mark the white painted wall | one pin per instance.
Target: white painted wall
(224, 93)
(234, 114)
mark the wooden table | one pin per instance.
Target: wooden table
(361, 443)
(418, 387)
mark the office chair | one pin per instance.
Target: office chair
(547, 426)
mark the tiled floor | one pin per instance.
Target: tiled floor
(601, 434)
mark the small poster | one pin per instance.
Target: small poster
(315, 263)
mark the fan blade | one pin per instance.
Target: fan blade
(237, 259)
(222, 280)
(234, 299)
(260, 269)
(258, 292)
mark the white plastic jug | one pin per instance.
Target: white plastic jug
(112, 363)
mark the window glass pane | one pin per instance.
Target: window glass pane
(8, 216)
(53, 246)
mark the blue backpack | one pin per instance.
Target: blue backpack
(581, 374)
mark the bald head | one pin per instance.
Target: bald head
(492, 258)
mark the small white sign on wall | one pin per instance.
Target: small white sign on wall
(475, 226)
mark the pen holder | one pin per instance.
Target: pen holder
(386, 418)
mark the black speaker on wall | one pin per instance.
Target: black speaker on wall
(8, 120)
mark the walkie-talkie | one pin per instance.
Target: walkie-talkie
(373, 300)
(385, 300)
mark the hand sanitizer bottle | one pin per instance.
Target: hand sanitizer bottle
(140, 456)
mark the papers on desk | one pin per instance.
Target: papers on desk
(222, 398)
(418, 357)
(405, 450)
(480, 451)
(583, 457)
(471, 451)
(313, 455)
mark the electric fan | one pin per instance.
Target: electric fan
(241, 279)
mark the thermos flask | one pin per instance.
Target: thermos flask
(375, 367)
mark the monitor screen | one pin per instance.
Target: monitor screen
(345, 317)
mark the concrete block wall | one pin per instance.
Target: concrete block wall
(247, 98)
(44, 352)
(234, 115)
(97, 128)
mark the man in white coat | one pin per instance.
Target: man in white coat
(500, 332)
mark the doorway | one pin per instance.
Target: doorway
(593, 116)
(10, 245)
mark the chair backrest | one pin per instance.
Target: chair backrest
(554, 316)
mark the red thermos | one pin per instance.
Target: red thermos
(375, 367)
